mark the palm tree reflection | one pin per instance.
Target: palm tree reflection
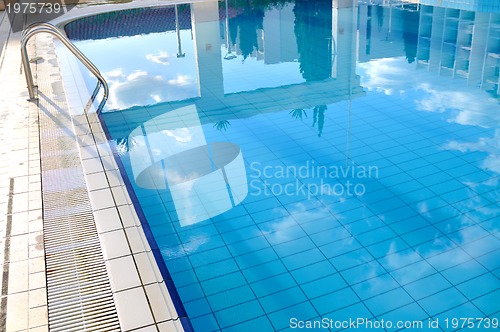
(222, 125)
(319, 117)
(298, 113)
(313, 31)
(249, 22)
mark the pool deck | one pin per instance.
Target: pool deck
(24, 300)
(140, 295)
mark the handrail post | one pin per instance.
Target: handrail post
(27, 72)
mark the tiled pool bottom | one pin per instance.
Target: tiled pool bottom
(420, 241)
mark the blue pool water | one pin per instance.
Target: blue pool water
(307, 163)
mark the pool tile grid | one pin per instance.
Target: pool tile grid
(408, 159)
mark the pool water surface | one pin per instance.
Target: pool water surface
(311, 163)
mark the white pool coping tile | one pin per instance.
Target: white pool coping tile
(156, 295)
(126, 269)
(133, 309)
(128, 216)
(114, 244)
(137, 240)
(147, 268)
(107, 220)
(101, 199)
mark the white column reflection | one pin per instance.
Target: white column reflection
(170, 152)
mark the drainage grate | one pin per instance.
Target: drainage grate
(78, 290)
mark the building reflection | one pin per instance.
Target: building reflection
(304, 73)
(170, 153)
(448, 39)
(461, 44)
(320, 52)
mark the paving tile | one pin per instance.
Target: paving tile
(17, 312)
(147, 267)
(18, 277)
(170, 326)
(136, 240)
(38, 317)
(107, 220)
(101, 199)
(37, 297)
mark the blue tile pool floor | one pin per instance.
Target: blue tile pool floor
(368, 195)
(423, 241)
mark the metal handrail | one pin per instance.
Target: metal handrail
(35, 28)
(36, 25)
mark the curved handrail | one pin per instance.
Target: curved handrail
(35, 28)
(36, 25)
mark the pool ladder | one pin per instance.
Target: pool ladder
(35, 28)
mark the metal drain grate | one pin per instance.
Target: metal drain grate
(78, 290)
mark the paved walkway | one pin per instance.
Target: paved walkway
(24, 299)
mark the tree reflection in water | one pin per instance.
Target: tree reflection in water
(313, 32)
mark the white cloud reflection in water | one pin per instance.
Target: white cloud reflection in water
(453, 98)
(466, 105)
(144, 70)
(163, 58)
(463, 105)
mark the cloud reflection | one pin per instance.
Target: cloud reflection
(142, 88)
(162, 58)
(435, 93)
(488, 145)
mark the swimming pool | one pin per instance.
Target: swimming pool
(311, 163)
